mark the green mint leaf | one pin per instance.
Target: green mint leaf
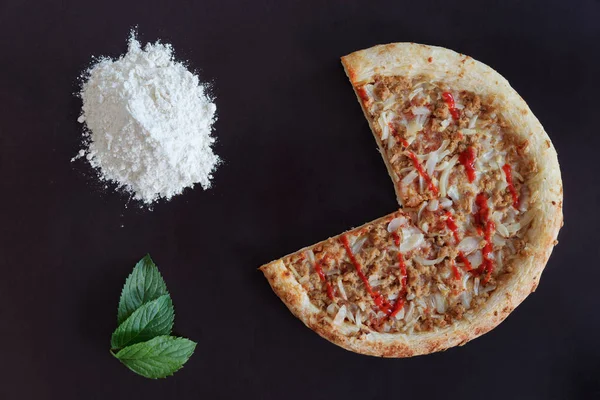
(152, 319)
(143, 285)
(157, 358)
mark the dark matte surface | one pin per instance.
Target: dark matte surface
(300, 165)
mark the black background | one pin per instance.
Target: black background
(300, 165)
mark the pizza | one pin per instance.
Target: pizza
(480, 205)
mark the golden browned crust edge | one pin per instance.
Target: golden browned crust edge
(462, 73)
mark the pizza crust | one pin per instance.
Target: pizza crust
(461, 73)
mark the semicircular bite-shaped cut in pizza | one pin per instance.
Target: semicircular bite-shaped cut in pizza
(480, 192)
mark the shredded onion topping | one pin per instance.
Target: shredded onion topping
(339, 317)
(423, 261)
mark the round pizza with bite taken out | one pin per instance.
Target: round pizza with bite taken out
(478, 184)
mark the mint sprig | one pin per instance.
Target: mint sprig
(157, 358)
(145, 316)
(144, 284)
(154, 318)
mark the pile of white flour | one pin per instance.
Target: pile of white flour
(149, 123)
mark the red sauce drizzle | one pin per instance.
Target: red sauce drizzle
(415, 161)
(451, 224)
(483, 217)
(324, 279)
(398, 306)
(422, 172)
(483, 214)
(467, 159)
(456, 271)
(379, 300)
(395, 135)
(465, 260)
(401, 262)
(449, 100)
(509, 180)
(362, 93)
(402, 265)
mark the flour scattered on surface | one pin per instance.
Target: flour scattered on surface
(148, 123)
